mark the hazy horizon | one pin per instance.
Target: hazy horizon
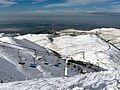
(36, 23)
(19, 15)
(103, 19)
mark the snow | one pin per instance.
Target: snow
(98, 68)
(91, 81)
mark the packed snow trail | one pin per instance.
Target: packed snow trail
(91, 81)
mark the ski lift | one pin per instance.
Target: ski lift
(39, 58)
(20, 62)
(34, 65)
(56, 65)
(58, 61)
(46, 63)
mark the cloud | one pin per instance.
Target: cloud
(53, 12)
(115, 8)
(37, 11)
(68, 11)
(116, 2)
(43, 11)
(77, 2)
(5, 3)
(11, 29)
(37, 1)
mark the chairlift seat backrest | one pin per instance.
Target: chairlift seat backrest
(46, 63)
(22, 63)
(56, 65)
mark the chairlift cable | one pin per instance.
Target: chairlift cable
(23, 47)
(36, 51)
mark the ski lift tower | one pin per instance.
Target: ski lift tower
(66, 67)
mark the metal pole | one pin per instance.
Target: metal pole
(66, 68)
(26, 78)
(34, 55)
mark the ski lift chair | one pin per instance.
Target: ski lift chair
(56, 65)
(20, 62)
(59, 63)
(46, 63)
(34, 65)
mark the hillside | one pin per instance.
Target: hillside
(93, 63)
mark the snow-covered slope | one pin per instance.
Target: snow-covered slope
(9, 49)
(8, 71)
(94, 64)
(87, 48)
(11, 67)
(111, 35)
(91, 81)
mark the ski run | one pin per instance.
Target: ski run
(65, 60)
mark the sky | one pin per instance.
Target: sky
(50, 7)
